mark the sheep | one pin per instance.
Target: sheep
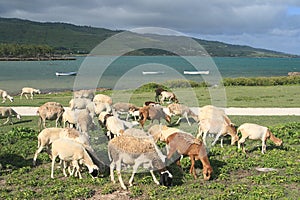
(102, 98)
(113, 125)
(48, 135)
(152, 113)
(50, 111)
(158, 93)
(168, 96)
(29, 90)
(68, 150)
(180, 110)
(69, 116)
(85, 121)
(5, 96)
(256, 132)
(184, 144)
(214, 120)
(87, 94)
(79, 103)
(135, 151)
(123, 108)
(9, 113)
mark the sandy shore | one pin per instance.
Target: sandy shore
(31, 111)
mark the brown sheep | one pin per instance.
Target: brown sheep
(50, 111)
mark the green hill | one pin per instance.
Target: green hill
(69, 38)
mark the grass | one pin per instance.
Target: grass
(234, 174)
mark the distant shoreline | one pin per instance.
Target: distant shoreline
(36, 58)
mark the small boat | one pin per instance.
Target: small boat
(195, 72)
(152, 72)
(65, 73)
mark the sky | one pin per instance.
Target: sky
(268, 24)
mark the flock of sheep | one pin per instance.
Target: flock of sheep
(128, 145)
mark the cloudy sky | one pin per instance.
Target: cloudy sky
(270, 24)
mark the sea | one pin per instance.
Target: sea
(126, 72)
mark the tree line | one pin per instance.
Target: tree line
(25, 50)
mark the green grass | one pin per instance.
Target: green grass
(234, 174)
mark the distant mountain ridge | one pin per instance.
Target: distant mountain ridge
(82, 39)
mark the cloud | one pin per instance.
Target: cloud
(215, 18)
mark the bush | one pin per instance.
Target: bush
(262, 81)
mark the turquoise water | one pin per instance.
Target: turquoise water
(41, 74)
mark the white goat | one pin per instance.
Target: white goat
(176, 109)
(136, 151)
(29, 90)
(214, 120)
(70, 151)
(9, 113)
(5, 96)
(48, 135)
(256, 132)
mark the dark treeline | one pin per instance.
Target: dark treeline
(25, 51)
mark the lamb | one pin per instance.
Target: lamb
(152, 113)
(102, 98)
(170, 96)
(9, 113)
(184, 144)
(29, 90)
(182, 111)
(48, 135)
(256, 132)
(50, 111)
(68, 150)
(214, 120)
(135, 151)
(5, 96)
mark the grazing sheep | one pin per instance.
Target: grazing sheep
(48, 135)
(69, 116)
(184, 144)
(123, 108)
(31, 91)
(170, 96)
(102, 98)
(158, 93)
(113, 125)
(176, 109)
(5, 96)
(79, 103)
(135, 151)
(50, 111)
(214, 120)
(85, 121)
(256, 132)
(151, 103)
(87, 94)
(68, 150)
(152, 113)
(9, 113)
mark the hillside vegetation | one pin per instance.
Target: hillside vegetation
(68, 38)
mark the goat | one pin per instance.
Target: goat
(214, 120)
(9, 113)
(184, 144)
(176, 109)
(256, 132)
(68, 150)
(135, 151)
(29, 90)
(5, 96)
(170, 96)
(152, 113)
(50, 111)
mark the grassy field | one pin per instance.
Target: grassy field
(235, 175)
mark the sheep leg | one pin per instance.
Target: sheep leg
(26, 96)
(178, 120)
(52, 166)
(263, 147)
(204, 137)
(216, 139)
(241, 142)
(36, 154)
(222, 141)
(153, 177)
(192, 168)
(64, 168)
(8, 119)
(186, 117)
(112, 177)
(118, 167)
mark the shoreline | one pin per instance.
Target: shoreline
(36, 59)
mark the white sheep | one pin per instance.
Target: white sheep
(69, 116)
(256, 132)
(88, 94)
(113, 125)
(170, 96)
(29, 90)
(9, 113)
(176, 109)
(123, 108)
(5, 96)
(50, 111)
(214, 120)
(102, 98)
(48, 135)
(134, 151)
(85, 121)
(70, 151)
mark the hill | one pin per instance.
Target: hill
(69, 38)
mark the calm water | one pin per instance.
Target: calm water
(41, 74)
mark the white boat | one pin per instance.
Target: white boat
(65, 73)
(152, 72)
(195, 72)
